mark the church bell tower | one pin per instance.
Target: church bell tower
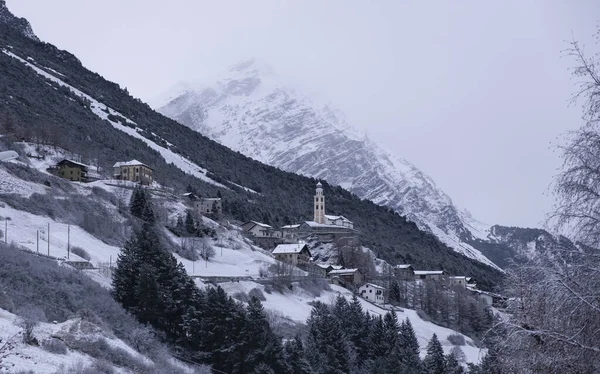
(319, 204)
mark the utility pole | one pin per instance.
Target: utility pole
(5, 231)
(68, 241)
(38, 241)
(48, 238)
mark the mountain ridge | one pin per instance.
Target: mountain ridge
(249, 110)
(47, 94)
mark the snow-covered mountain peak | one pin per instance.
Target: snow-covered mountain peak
(253, 66)
(249, 109)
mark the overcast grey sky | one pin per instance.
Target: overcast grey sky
(474, 93)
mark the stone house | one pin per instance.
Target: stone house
(72, 170)
(404, 272)
(133, 171)
(346, 276)
(436, 275)
(292, 253)
(259, 230)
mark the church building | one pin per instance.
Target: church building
(325, 227)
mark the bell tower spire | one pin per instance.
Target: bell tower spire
(319, 204)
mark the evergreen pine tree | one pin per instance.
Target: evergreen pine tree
(149, 306)
(434, 362)
(179, 227)
(395, 293)
(295, 357)
(190, 223)
(327, 351)
(452, 365)
(358, 326)
(409, 346)
(125, 274)
(137, 202)
(259, 343)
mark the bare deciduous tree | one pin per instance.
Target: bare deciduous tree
(554, 324)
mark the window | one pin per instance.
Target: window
(71, 172)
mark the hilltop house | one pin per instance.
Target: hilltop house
(404, 272)
(458, 281)
(373, 293)
(346, 276)
(72, 170)
(133, 171)
(435, 275)
(292, 253)
(204, 205)
(259, 230)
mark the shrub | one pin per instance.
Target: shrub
(314, 285)
(81, 253)
(423, 315)
(456, 339)
(256, 292)
(241, 296)
(54, 345)
(28, 325)
(269, 289)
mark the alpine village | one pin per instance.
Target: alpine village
(131, 242)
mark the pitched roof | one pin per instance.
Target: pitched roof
(403, 266)
(316, 224)
(367, 285)
(264, 225)
(289, 248)
(291, 226)
(429, 272)
(343, 272)
(130, 163)
(66, 160)
(324, 266)
(335, 218)
(210, 198)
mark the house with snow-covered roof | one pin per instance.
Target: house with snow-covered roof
(259, 229)
(72, 170)
(372, 292)
(133, 171)
(346, 276)
(459, 280)
(435, 275)
(292, 253)
(404, 272)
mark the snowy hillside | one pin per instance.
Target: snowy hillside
(249, 110)
(234, 256)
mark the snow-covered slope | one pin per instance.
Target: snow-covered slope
(249, 110)
(235, 256)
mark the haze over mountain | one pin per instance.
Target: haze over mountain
(251, 111)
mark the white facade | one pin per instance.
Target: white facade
(373, 293)
(258, 229)
(338, 221)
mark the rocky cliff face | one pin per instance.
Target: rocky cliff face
(251, 111)
(20, 24)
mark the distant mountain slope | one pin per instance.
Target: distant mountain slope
(251, 111)
(47, 94)
(506, 245)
